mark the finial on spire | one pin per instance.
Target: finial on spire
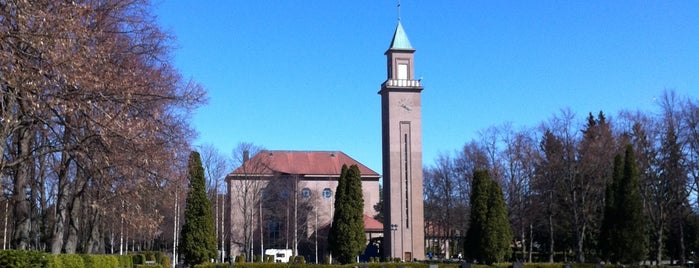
(398, 10)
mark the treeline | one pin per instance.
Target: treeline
(93, 126)
(555, 177)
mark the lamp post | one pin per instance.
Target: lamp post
(394, 227)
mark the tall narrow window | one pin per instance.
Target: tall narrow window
(402, 71)
(405, 168)
(407, 182)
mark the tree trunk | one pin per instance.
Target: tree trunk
(581, 239)
(659, 241)
(21, 208)
(551, 240)
(94, 240)
(682, 245)
(62, 200)
(71, 242)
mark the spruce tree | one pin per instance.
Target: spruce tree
(346, 239)
(489, 235)
(197, 238)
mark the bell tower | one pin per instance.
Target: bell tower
(401, 129)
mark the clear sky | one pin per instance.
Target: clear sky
(304, 75)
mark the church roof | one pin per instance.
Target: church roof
(400, 39)
(305, 163)
(371, 225)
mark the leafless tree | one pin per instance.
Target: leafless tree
(89, 98)
(245, 194)
(519, 157)
(595, 155)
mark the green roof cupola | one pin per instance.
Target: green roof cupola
(400, 39)
(399, 62)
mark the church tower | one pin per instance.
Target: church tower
(401, 128)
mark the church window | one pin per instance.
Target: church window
(306, 193)
(327, 193)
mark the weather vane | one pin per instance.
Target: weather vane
(398, 10)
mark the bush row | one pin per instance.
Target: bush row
(415, 265)
(37, 259)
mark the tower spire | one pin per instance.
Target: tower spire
(398, 7)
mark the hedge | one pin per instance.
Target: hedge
(22, 259)
(38, 259)
(65, 260)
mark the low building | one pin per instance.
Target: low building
(285, 200)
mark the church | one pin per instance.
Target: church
(284, 199)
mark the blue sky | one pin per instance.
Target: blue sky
(304, 75)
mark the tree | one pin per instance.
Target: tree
(519, 157)
(216, 167)
(631, 240)
(623, 234)
(586, 181)
(378, 207)
(489, 235)
(246, 194)
(198, 236)
(442, 218)
(608, 229)
(81, 94)
(346, 239)
(546, 186)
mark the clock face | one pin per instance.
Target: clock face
(406, 104)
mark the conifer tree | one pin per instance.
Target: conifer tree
(629, 210)
(622, 236)
(609, 220)
(498, 229)
(489, 235)
(346, 239)
(479, 213)
(198, 237)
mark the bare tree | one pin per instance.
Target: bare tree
(594, 168)
(519, 156)
(86, 91)
(245, 190)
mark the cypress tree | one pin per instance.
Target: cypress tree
(346, 239)
(629, 210)
(622, 234)
(479, 213)
(609, 221)
(198, 237)
(498, 231)
(489, 235)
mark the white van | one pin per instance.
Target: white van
(280, 255)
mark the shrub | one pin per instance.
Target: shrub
(139, 259)
(298, 260)
(54, 261)
(99, 261)
(22, 258)
(212, 265)
(149, 256)
(124, 261)
(164, 261)
(71, 260)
